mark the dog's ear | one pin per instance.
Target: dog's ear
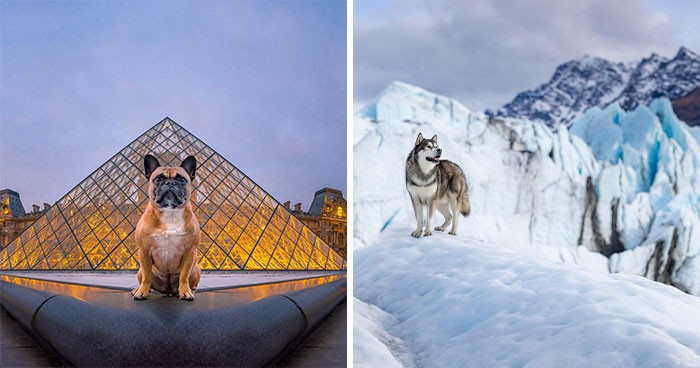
(419, 139)
(190, 166)
(150, 164)
(434, 139)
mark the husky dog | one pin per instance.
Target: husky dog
(434, 183)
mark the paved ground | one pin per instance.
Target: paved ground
(18, 349)
(326, 346)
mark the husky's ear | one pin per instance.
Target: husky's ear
(190, 165)
(419, 139)
(434, 139)
(150, 164)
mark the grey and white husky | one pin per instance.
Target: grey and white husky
(435, 183)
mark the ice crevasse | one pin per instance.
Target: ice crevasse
(618, 192)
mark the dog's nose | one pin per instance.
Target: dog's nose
(439, 150)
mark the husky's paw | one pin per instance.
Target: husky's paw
(427, 232)
(453, 232)
(416, 234)
(439, 228)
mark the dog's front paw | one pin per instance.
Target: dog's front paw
(187, 295)
(452, 232)
(439, 228)
(139, 294)
(416, 234)
(427, 232)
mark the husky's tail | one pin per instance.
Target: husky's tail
(465, 208)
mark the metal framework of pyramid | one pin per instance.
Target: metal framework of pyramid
(243, 227)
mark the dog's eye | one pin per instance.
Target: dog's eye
(158, 179)
(181, 179)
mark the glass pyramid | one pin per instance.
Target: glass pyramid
(243, 227)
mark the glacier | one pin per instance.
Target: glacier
(617, 192)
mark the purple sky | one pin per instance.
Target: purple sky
(261, 82)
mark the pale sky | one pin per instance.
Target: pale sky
(261, 82)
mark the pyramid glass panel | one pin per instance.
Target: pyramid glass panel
(243, 227)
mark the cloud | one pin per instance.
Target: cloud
(484, 52)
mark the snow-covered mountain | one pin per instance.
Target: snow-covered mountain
(619, 192)
(589, 82)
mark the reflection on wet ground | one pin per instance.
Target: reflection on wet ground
(243, 288)
(126, 280)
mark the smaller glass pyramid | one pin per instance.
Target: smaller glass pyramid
(243, 227)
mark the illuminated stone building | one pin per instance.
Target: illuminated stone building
(327, 217)
(13, 218)
(243, 227)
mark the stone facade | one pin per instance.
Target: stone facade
(13, 218)
(327, 217)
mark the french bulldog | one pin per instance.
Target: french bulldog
(167, 234)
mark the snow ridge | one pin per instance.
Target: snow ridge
(375, 346)
(458, 302)
(589, 82)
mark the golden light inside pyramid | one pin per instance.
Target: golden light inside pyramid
(243, 227)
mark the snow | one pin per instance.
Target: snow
(460, 302)
(410, 103)
(372, 340)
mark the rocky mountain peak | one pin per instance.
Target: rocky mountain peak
(686, 53)
(586, 82)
